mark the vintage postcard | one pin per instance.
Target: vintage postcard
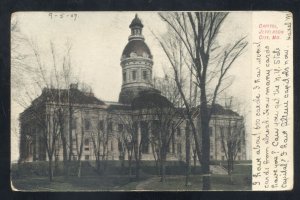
(152, 101)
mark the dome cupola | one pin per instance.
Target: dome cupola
(136, 63)
(136, 27)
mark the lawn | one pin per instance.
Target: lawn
(86, 183)
(99, 183)
(218, 182)
(33, 177)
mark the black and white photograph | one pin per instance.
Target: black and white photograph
(131, 101)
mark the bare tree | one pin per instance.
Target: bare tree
(164, 120)
(51, 74)
(231, 138)
(100, 136)
(169, 86)
(79, 138)
(197, 32)
(127, 137)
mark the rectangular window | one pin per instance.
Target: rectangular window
(87, 124)
(178, 132)
(222, 132)
(86, 148)
(86, 142)
(223, 158)
(239, 157)
(120, 127)
(223, 147)
(179, 148)
(73, 125)
(120, 146)
(101, 125)
(134, 75)
(243, 136)
(86, 157)
(145, 75)
(210, 131)
(109, 127)
(124, 76)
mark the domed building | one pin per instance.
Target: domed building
(110, 127)
(136, 63)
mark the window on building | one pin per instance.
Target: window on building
(120, 146)
(120, 127)
(124, 76)
(86, 157)
(178, 131)
(239, 147)
(145, 75)
(134, 75)
(101, 125)
(109, 127)
(111, 145)
(210, 131)
(223, 158)
(228, 131)
(73, 125)
(86, 142)
(179, 148)
(87, 124)
(243, 136)
(221, 131)
(211, 157)
(168, 148)
(222, 147)
(239, 157)
(86, 148)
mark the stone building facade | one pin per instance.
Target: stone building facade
(98, 125)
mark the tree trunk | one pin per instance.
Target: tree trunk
(137, 170)
(195, 162)
(188, 157)
(98, 164)
(50, 170)
(205, 141)
(65, 154)
(130, 164)
(230, 168)
(163, 167)
(79, 168)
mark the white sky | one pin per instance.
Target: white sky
(98, 39)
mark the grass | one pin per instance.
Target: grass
(99, 183)
(87, 183)
(91, 181)
(218, 182)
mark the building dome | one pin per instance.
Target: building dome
(136, 48)
(136, 63)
